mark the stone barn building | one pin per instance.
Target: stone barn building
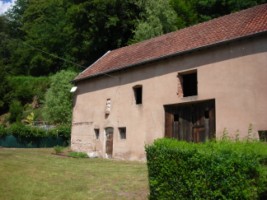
(193, 84)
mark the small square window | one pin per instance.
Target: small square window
(138, 90)
(122, 132)
(97, 133)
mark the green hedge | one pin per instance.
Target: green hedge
(214, 170)
(23, 131)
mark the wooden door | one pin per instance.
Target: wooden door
(193, 122)
(168, 124)
(109, 142)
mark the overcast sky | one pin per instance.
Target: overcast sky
(5, 5)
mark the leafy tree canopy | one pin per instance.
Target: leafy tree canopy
(100, 26)
(158, 18)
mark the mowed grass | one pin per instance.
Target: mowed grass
(38, 174)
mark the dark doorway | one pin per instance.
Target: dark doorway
(193, 122)
(109, 142)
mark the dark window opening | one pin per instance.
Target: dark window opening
(138, 94)
(122, 132)
(263, 136)
(189, 84)
(97, 133)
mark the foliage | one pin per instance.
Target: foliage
(20, 130)
(63, 130)
(3, 24)
(2, 131)
(4, 89)
(25, 88)
(40, 35)
(209, 9)
(30, 119)
(214, 170)
(22, 94)
(4, 59)
(48, 36)
(58, 149)
(58, 99)
(15, 18)
(46, 30)
(15, 110)
(78, 155)
(186, 12)
(101, 25)
(24, 131)
(158, 18)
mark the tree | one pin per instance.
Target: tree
(209, 9)
(4, 59)
(4, 89)
(186, 12)
(58, 99)
(3, 23)
(100, 26)
(15, 18)
(158, 18)
(52, 35)
(47, 36)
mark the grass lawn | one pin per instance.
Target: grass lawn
(37, 174)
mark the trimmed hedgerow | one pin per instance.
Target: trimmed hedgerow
(23, 131)
(214, 170)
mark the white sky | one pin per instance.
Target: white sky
(5, 5)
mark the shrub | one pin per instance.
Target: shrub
(21, 131)
(16, 110)
(58, 99)
(214, 170)
(63, 131)
(78, 155)
(58, 149)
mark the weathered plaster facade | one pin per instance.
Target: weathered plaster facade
(233, 74)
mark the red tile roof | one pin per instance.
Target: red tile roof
(233, 26)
